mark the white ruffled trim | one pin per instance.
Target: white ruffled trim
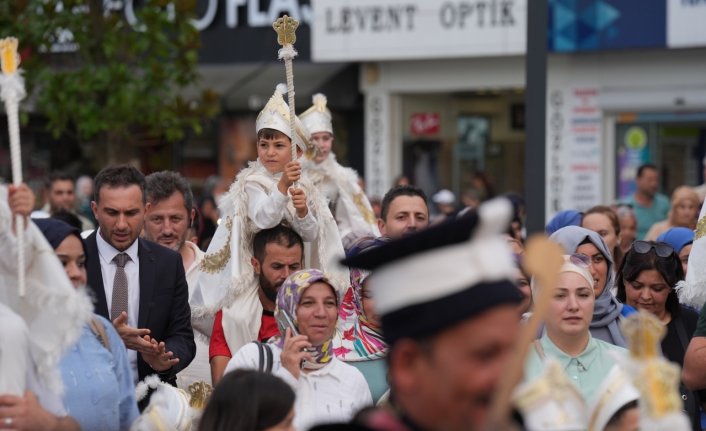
(287, 52)
(168, 408)
(79, 310)
(143, 387)
(692, 294)
(53, 310)
(12, 86)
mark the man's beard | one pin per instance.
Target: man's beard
(57, 208)
(176, 246)
(268, 288)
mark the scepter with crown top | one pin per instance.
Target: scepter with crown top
(12, 90)
(286, 27)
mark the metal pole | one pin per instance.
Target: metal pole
(535, 115)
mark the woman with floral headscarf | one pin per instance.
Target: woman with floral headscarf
(327, 390)
(359, 339)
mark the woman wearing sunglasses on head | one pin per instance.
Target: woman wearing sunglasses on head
(567, 339)
(646, 281)
(607, 311)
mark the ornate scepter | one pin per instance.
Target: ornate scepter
(12, 90)
(286, 27)
(543, 259)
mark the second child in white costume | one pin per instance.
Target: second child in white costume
(347, 200)
(269, 191)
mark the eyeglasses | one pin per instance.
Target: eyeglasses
(580, 259)
(662, 249)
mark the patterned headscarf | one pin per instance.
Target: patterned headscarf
(357, 339)
(288, 297)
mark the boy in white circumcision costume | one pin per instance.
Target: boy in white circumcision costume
(347, 200)
(270, 191)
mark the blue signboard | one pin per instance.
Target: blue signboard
(596, 25)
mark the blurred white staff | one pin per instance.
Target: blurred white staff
(12, 90)
(286, 27)
(692, 290)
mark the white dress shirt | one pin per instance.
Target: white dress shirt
(334, 393)
(192, 273)
(268, 208)
(199, 369)
(132, 271)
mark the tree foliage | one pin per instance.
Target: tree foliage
(113, 81)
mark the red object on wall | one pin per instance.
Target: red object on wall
(425, 123)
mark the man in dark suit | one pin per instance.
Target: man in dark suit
(138, 284)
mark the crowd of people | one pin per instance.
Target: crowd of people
(302, 306)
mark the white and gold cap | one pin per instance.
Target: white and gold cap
(275, 115)
(551, 402)
(168, 407)
(615, 392)
(318, 118)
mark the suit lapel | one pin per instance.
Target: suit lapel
(95, 275)
(147, 281)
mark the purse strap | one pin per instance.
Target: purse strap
(99, 331)
(264, 357)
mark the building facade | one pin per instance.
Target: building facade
(444, 92)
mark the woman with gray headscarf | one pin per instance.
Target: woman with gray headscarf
(607, 311)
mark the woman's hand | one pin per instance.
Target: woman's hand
(293, 353)
(25, 413)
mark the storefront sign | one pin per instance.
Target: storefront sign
(232, 31)
(377, 157)
(425, 124)
(574, 153)
(359, 30)
(584, 150)
(685, 23)
(555, 152)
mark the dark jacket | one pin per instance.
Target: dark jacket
(164, 302)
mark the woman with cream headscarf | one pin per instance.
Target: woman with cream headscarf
(607, 311)
(567, 338)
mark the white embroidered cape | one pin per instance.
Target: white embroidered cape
(227, 280)
(353, 212)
